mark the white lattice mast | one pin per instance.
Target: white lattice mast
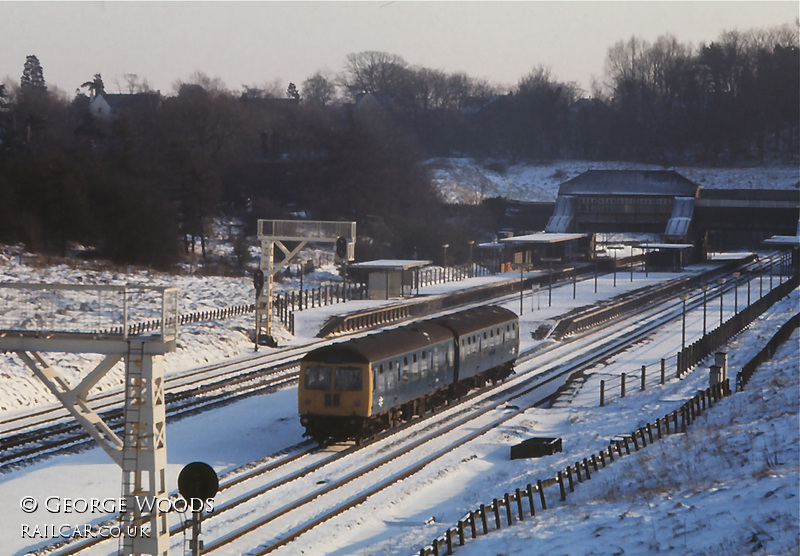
(97, 319)
(272, 234)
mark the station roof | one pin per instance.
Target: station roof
(678, 246)
(783, 241)
(759, 198)
(543, 237)
(390, 264)
(630, 182)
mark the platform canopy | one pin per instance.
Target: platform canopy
(544, 237)
(783, 241)
(390, 264)
(665, 246)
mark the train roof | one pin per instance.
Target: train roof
(465, 322)
(382, 345)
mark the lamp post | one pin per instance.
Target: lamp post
(444, 247)
(705, 290)
(300, 272)
(735, 293)
(770, 272)
(683, 323)
(761, 280)
(615, 248)
(721, 291)
(471, 263)
(749, 277)
(631, 263)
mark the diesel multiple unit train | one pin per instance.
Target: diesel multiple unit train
(356, 388)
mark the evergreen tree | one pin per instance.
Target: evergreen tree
(95, 86)
(32, 74)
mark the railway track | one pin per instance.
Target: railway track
(540, 374)
(396, 457)
(26, 438)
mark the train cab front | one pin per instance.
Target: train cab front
(333, 400)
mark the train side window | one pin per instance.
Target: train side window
(318, 378)
(404, 370)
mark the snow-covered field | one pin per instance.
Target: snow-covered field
(463, 180)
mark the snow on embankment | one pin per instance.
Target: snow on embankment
(727, 486)
(464, 180)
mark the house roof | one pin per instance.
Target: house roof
(630, 182)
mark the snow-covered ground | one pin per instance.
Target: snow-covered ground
(463, 180)
(645, 503)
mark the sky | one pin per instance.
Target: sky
(265, 43)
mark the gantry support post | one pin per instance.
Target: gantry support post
(144, 455)
(272, 234)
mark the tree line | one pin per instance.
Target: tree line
(141, 176)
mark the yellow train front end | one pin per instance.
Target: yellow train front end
(334, 400)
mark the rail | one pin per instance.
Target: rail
(695, 352)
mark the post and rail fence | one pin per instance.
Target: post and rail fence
(523, 502)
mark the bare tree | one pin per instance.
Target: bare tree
(319, 89)
(374, 72)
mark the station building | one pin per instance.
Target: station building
(681, 220)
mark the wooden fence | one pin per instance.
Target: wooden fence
(437, 275)
(522, 502)
(766, 353)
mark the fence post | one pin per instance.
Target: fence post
(483, 519)
(507, 501)
(569, 478)
(602, 392)
(519, 505)
(472, 524)
(644, 367)
(541, 494)
(496, 510)
(663, 370)
(622, 384)
(561, 486)
(460, 532)
(529, 490)
(586, 468)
